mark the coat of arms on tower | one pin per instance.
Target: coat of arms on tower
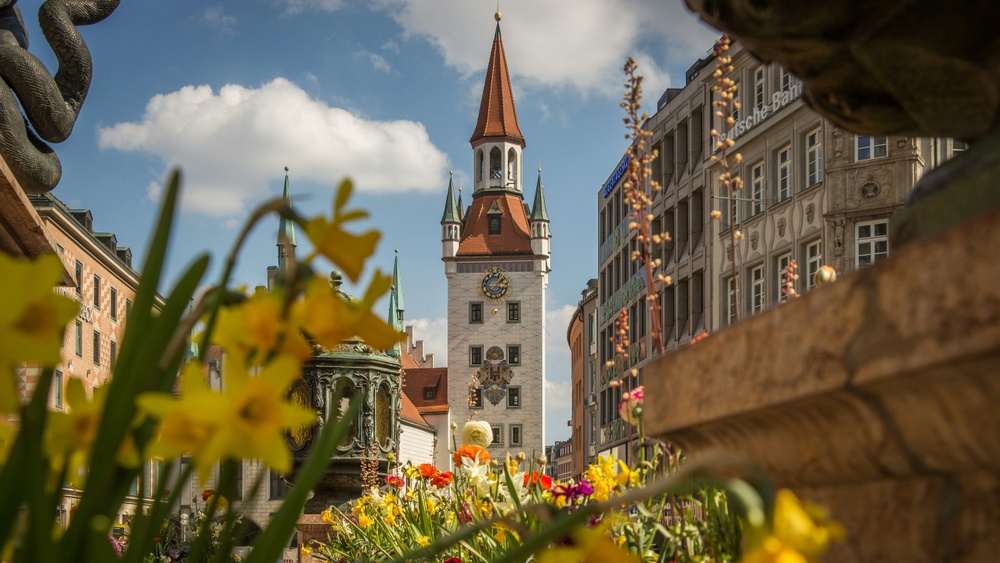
(494, 375)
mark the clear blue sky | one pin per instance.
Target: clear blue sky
(385, 91)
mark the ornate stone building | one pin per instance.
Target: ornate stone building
(496, 256)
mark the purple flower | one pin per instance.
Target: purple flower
(573, 492)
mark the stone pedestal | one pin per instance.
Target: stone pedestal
(877, 395)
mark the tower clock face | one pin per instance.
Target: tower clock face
(495, 284)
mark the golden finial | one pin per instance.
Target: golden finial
(498, 15)
(451, 172)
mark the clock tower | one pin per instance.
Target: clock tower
(496, 259)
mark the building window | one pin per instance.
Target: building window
(814, 157)
(112, 354)
(757, 187)
(128, 308)
(57, 389)
(757, 288)
(514, 355)
(515, 435)
(814, 259)
(79, 278)
(783, 262)
(494, 225)
(97, 291)
(736, 105)
(497, 436)
(475, 397)
(759, 88)
(786, 80)
(113, 304)
(731, 284)
(476, 312)
(277, 489)
(513, 397)
(784, 173)
(79, 338)
(513, 311)
(430, 393)
(475, 355)
(734, 210)
(871, 242)
(97, 349)
(871, 147)
(239, 480)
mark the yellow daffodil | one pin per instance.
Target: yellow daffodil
(186, 423)
(347, 251)
(70, 435)
(801, 533)
(32, 319)
(255, 327)
(431, 506)
(423, 541)
(364, 521)
(327, 516)
(252, 414)
(592, 545)
(331, 319)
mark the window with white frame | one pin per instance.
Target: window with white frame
(783, 261)
(759, 88)
(734, 209)
(871, 242)
(814, 157)
(757, 288)
(814, 259)
(757, 187)
(731, 285)
(868, 147)
(785, 173)
(786, 80)
(737, 106)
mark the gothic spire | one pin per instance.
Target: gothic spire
(538, 211)
(286, 231)
(451, 212)
(497, 115)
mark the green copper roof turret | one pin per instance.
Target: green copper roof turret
(286, 231)
(451, 214)
(538, 212)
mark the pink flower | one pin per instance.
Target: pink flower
(631, 406)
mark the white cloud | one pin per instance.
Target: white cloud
(581, 44)
(216, 17)
(556, 325)
(378, 61)
(434, 333)
(153, 191)
(233, 143)
(557, 395)
(299, 6)
(390, 45)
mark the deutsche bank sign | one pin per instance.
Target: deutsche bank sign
(778, 101)
(619, 172)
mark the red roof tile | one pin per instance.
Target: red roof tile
(416, 380)
(514, 237)
(407, 359)
(409, 412)
(497, 114)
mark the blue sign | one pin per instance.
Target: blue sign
(619, 172)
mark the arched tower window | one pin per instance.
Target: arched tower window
(512, 165)
(494, 225)
(383, 415)
(479, 164)
(496, 168)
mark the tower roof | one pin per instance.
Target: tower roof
(514, 238)
(451, 212)
(497, 115)
(396, 297)
(538, 211)
(286, 227)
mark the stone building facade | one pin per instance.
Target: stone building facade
(582, 338)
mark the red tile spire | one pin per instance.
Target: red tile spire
(497, 115)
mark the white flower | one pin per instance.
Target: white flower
(477, 433)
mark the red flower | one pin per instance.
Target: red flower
(477, 453)
(207, 493)
(427, 470)
(394, 480)
(442, 480)
(536, 477)
(453, 560)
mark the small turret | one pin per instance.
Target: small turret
(286, 233)
(396, 302)
(451, 224)
(539, 224)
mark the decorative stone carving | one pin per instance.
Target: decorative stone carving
(753, 240)
(781, 227)
(51, 104)
(729, 252)
(810, 212)
(869, 190)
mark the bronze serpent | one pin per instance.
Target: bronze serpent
(51, 104)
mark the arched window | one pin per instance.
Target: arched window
(479, 164)
(346, 389)
(512, 165)
(496, 168)
(383, 415)
(494, 225)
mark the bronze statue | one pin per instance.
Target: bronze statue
(52, 104)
